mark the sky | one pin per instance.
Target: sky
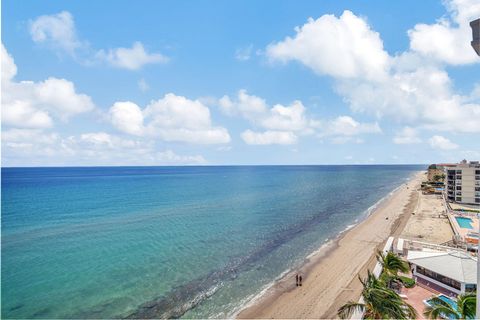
(238, 82)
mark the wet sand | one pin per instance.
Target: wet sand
(330, 276)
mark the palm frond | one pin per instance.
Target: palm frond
(440, 308)
(350, 308)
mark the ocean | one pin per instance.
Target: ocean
(169, 242)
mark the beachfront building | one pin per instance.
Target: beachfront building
(454, 271)
(463, 182)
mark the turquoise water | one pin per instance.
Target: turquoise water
(464, 222)
(155, 242)
(448, 300)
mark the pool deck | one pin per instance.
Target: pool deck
(463, 232)
(423, 290)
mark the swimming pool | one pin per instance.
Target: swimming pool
(448, 300)
(464, 222)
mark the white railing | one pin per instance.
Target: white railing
(419, 245)
(376, 272)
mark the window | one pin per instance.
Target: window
(459, 177)
(477, 188)
(477, 171)
(458, 199)
(445, 280)
(470, 287)
(460, 188)
(477, 200)
(459, 171)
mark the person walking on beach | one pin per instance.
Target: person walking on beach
(296, 279)
(300, 281)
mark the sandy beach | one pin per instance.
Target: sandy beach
(429, 223)
(330, 276)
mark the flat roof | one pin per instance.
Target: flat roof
(455, 265)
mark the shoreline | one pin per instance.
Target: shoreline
(358, 242)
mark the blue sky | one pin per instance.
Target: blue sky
(238, 82)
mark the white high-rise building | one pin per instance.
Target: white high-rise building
(463, 182)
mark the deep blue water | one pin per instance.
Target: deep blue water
(169, 241)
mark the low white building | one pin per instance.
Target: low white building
(455, 271)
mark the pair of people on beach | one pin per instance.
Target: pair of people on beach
(298, 280)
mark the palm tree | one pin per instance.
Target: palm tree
(465, 307)
(392, 263)
(379, 302)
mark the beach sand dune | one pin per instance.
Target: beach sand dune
(330, 276)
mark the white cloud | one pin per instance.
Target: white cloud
(130, 58)
(420, 97)
(57, 30)
(143, 85)
(127, 117)
(409, 88)
(448, 40)
(282, 123)
(407, 135)
(9, 69)
(60, 95)
(344, 47)
(259, 113)
(439, 142)
(248, 106)
(28, 104)
(345, 129)
(22, 114)
(290, 118)
(244, 54)
(347, 126)
(346, 139)
(170, 157)
(269, 137)
(31, 136)
(36, 147)
(172, 118)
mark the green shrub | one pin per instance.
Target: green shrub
(407, 282)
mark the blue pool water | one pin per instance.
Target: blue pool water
(147, 242)
(446, 299)
(451, 302)
(464, 222)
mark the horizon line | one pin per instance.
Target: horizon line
(218, 165)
